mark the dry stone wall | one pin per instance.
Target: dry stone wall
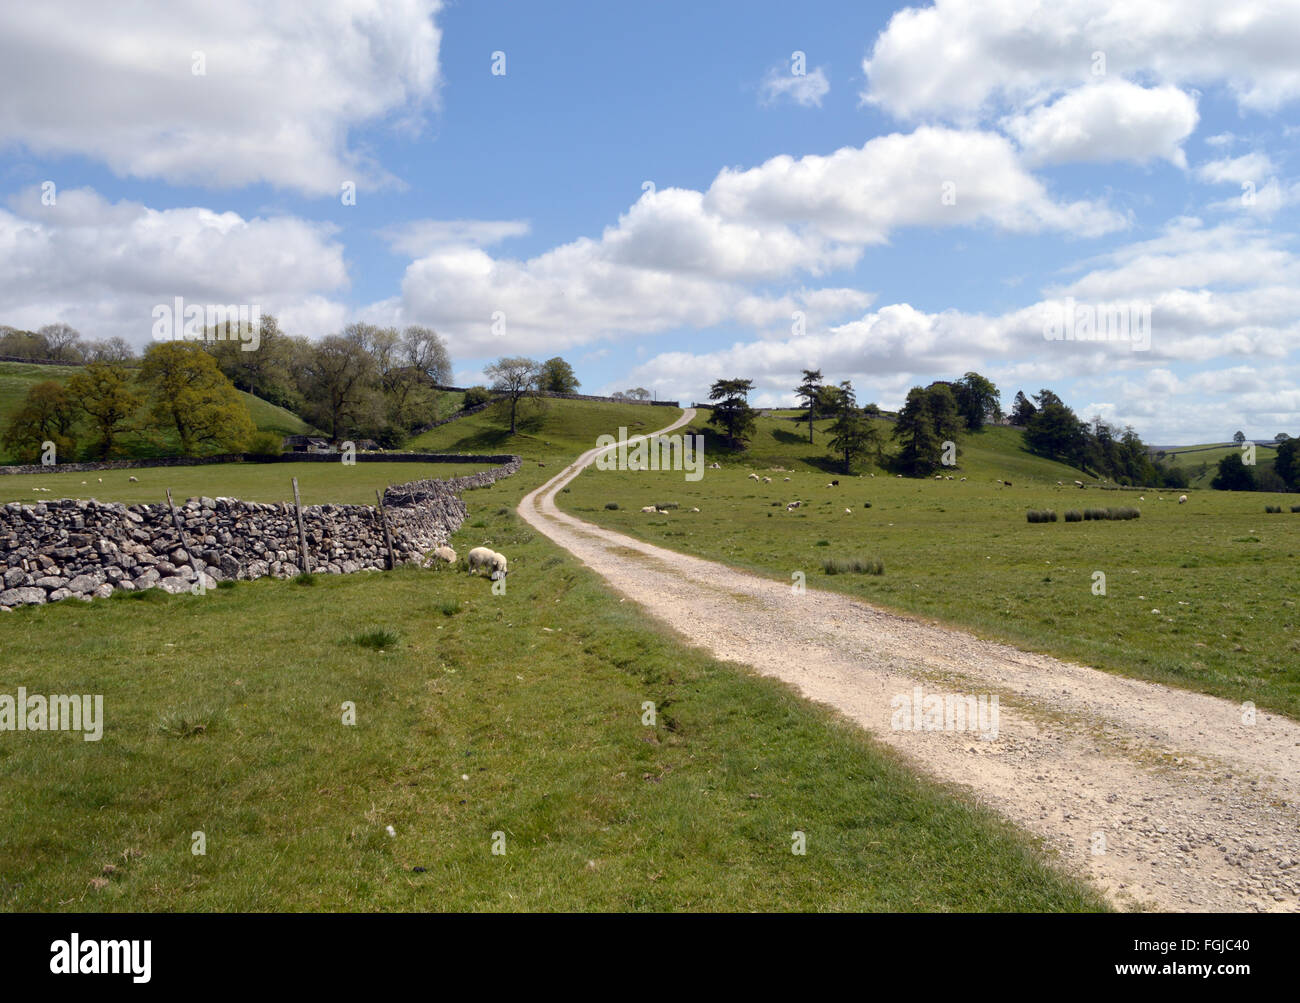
(70, 548)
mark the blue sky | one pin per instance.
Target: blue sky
(936, 185)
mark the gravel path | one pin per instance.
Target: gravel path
(1163, 798)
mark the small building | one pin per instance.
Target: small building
(306, 444)
(367, 446)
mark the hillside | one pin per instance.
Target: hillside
(995, 451)
(1202, 462)
(17, 378)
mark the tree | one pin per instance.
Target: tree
(115, 349)
(103, 392)
(732, 413)
(425, 351)
(514, 378)
(809, 391)
(638, 394)
(47, 414)
(915, 431)
(1022, 411)
(1287, 463)
(978, 400)
(1055, 431)
(187, 392)
(941, 405)
(557, 377)
(1239, 437)
(337, 380)
(1281, 437)
(853, 435)
(1233, 475)
(61, 340)
(267, 372)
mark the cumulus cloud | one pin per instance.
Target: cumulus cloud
(958, 58)
(1108, 121)
(1234, 170)
(419, 236)
(101, 266)
(684, 258)
(280, 90)
(805, 89)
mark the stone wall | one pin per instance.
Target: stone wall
(70, 548)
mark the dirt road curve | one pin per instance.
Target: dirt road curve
(1165, 799)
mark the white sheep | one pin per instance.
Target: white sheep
(767, 480)
(1182, 499)
(753, 477)
(489, 560)
(848, 511)
(694, 510)
(133, 479)
(649, 509)
(445, 553)
(1078, 484)
(787, 478)
(793, 505)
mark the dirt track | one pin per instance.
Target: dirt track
(1190, 808)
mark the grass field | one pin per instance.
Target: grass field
(17, 378)
(354, 484)
(1219, 571)
(518, 714)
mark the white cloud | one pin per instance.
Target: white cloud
(419, 236)
(282, 87)
(102, 266)
(683, 258)
(957, 58)
(1252, 167)
(806, 89)
(1108, 121)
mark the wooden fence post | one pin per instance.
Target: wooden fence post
(302, 533)
(388, 537)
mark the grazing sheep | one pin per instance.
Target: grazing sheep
(873, 475)
(793, 505)
(133, 479)
(1142, 498)
(835, 484)
(753, 477)
(1078, 484)
(1007, 483)
(694, 510)
(767, 480)
(489, 560)
(787, 478)
(1060, 484)
(445, 554)
(938, 477)
(848, 511)
(1182, 499)
(649, 509)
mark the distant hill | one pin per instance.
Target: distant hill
(17, 378)
(1201, 462)
(996, 451)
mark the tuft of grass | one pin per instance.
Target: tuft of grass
(378, 639)
(449, 607)
(853, 566)
(187, 723)
(150, 595)
(228, 583)
(306, 578)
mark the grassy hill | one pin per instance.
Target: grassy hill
(517, 714)
(1202, 462)
(17, 378)
(994, 452)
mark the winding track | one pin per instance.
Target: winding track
(1164, 798)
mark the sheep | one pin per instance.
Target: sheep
(1078, 484)
(446, 554)
(648, 509)
(793, 505)
(694, 510)
(1007, 483)
(835, 484)
(767, 480)
(489, 560)
(1142, 498)
(753, 477)
(848, 511)
(873, 475)
(938, 477)
(787, 478)
(133, 479)
(1182, 499)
